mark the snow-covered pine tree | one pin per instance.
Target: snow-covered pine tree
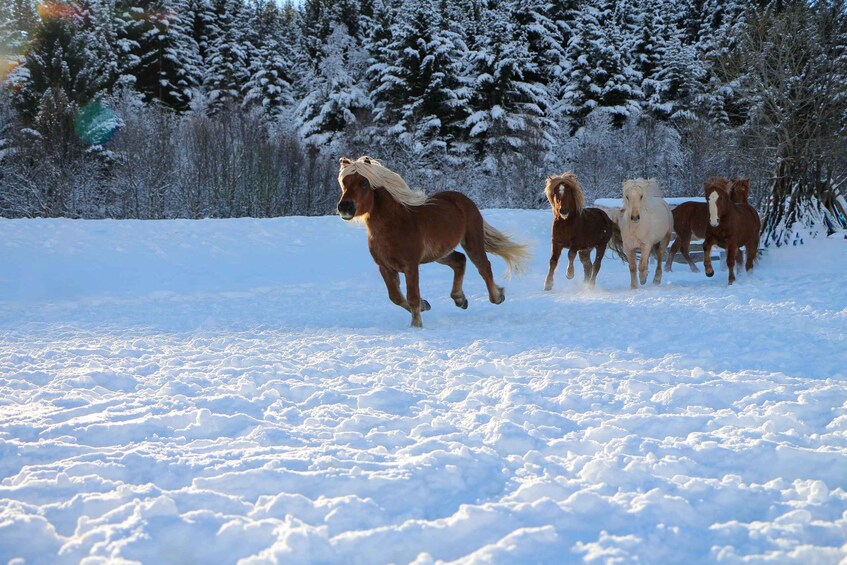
(269, 34)
(337, 98)
(416, 90)
(157, 48)
(600, 73)
(508, 117)
(227, 54)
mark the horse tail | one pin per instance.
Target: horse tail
(515, 255)
(616, 241)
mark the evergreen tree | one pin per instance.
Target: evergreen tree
(337, 99)
(508, 111)
(270, 66)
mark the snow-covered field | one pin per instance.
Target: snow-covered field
(215, 391)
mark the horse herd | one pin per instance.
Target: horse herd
(406, 228)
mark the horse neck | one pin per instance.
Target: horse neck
(386, 212)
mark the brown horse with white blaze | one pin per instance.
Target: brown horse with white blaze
(731, 225)
(406, 228)
(575, 227)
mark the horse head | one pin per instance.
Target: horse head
(717, 190)
(357, 197)
(565, 195)
(633, 197)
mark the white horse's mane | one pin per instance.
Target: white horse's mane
(380, 176)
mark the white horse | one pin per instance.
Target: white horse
(646, 223)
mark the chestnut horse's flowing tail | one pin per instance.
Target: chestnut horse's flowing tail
(514, 254)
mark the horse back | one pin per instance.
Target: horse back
(749, 223)
(691, 217)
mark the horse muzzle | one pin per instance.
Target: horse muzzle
(346, 209)
(635, 219)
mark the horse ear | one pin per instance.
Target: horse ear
(367, 160)
(344, 161)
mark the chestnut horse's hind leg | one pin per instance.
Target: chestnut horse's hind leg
(731, 253)
(752, 248)
(457, 261)
(685, 248)
(585, 259)
(598, 260)
(677, 246)
(554, 262)
(571, 257)
(476, 252)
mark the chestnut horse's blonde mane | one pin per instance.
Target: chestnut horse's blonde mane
(566, 180)
(380, 176)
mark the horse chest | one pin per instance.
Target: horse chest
(388, 254)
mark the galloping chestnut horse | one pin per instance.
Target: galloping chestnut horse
(405, 229)
(576, 227)
(731, 225)
(691, 218)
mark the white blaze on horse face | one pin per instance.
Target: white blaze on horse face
(561, 190)
(713, 209)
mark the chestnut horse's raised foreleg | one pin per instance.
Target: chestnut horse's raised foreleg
(392, 283)
(457, 262)
(585, 259)
(554, 262)
(598, 260)
(707, 256)
(413, 295)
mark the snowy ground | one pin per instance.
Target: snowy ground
(215, 391)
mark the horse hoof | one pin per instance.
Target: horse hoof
(668, 269)
(425, 307)
(463, 304)
(695, 270)
(710, 274)
(502, 297)
(548, 286)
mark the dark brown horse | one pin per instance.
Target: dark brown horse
(689, 221)
(731, 225)
(405, 229)
(576, 227)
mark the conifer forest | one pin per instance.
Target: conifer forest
(227, 108)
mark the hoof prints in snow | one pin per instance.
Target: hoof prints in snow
(154, 421)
